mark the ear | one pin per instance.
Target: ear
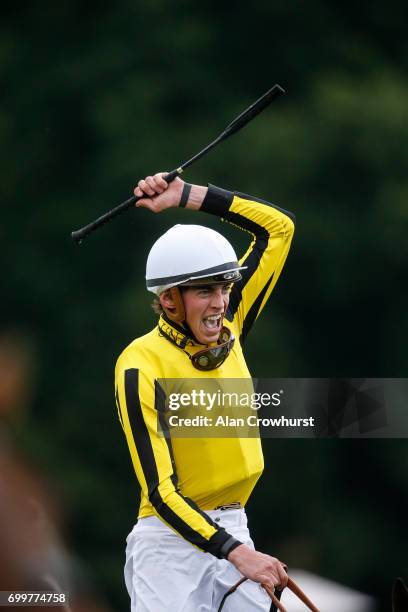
(172, 304)
(166, 300)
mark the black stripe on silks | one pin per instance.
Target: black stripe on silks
(139, 430)
(203, 514)
(118, 407)
(253, 311)
(244, 196)
(216, 542)
(212, 545)
(160, 405)
(145, 452)
(217, 201)
(252, 261)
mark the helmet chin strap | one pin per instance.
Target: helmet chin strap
(177, 313)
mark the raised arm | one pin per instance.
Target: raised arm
(270, 227)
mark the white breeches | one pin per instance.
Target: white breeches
(164, 573)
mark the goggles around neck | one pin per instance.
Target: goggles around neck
(213, 357)
(206, 359)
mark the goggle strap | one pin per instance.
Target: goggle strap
(178, 314)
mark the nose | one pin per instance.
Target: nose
(217, 299)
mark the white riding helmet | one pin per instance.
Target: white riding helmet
(187, 253)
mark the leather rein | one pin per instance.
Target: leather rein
(277, 605)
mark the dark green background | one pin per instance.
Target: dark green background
(96, 96)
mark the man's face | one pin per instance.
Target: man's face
(205, 308)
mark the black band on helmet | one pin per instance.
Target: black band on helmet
(226, 277)
(222, 269)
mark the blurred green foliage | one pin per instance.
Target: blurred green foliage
(96, 96)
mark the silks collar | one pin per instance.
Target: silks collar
(176, 333)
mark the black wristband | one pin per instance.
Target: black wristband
(228, 546)
(185, 195)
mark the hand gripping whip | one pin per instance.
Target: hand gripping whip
(237, 124)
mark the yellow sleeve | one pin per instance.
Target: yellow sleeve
(139, 401)
(271, 229)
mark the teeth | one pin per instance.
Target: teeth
(212, 321)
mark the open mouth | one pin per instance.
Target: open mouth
(213, 323)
